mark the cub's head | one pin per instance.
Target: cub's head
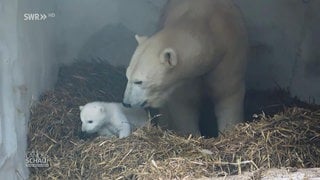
(150, 74)
(92, 116)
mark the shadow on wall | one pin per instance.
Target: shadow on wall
(114, 43)
(311, 48)
(312, 67)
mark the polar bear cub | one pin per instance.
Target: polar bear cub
(111, 119)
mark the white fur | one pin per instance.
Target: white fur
(200, 50)
(111, 119)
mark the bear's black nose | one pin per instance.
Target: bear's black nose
(126, 105)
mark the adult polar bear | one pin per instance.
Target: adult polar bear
(200, 49)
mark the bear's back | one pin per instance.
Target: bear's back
(181, 10)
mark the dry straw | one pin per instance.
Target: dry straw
(288, 139)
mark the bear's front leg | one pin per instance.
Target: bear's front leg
(124, 130)
(182, 108)
(121, 124)
(229, 109)
(106, 132)
(226, 88)
(180, 117)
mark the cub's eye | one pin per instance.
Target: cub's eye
(137, 82)
(90, 121)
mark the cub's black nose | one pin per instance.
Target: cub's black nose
(126, 105)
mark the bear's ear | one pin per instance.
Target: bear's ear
(140, 39)
(169, 57)
(80, 107)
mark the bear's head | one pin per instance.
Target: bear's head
(150, 74)
(92, 116)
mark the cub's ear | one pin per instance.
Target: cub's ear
(169, 57)
(80, 107)
(140, 39)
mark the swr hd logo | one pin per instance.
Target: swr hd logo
(37, 16)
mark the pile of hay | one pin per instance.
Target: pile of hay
(290, 138)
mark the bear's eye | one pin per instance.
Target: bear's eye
(137, 82)
(90, 121)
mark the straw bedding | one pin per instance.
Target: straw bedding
(290, 138)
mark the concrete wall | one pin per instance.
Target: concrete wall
(284, 37)
(78, 22)
(27, 68)
(306, 74)
(104, 29)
